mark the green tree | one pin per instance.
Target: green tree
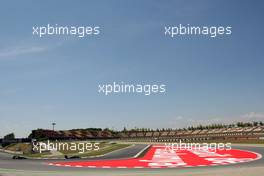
(9, 136)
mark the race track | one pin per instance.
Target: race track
(10, 167)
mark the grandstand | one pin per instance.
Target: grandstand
(234, 133)
(228, 133)
(75, 134)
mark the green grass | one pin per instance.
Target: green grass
(22, 147)
(37, 155)
(104, 148)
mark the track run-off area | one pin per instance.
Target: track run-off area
(140, 160)
(158, 156)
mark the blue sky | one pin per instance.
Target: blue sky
(56, 78)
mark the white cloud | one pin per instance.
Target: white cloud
(253, 116)
(16, 51)
(179, 118)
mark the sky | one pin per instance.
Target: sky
(55, 79)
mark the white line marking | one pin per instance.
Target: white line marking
(141, 151)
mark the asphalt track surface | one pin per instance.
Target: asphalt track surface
(10, 167)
